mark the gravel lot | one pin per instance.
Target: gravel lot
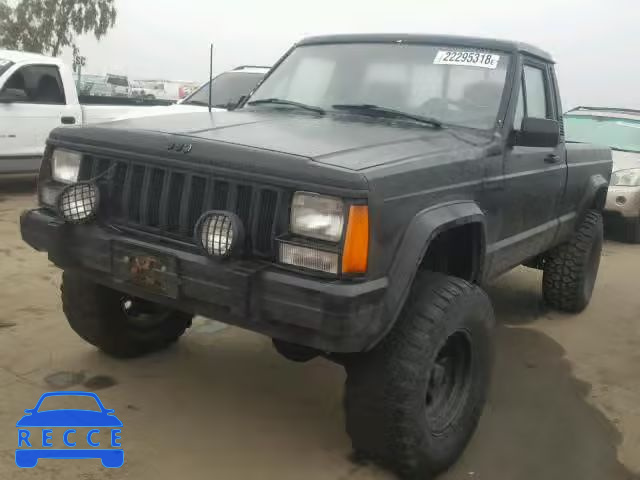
(565, 402)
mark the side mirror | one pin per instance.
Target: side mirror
(538, 132)
(11, 95)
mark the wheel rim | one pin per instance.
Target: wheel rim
(141, 314)
(449, 382)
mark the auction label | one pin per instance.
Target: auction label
(471, 59)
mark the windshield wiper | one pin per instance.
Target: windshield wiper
(282, 101)
(388, 112)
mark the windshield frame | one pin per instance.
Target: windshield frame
(513, 63)
(5, 65)
(206, 85)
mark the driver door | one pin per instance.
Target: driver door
(534, 177)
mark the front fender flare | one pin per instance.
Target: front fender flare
(424, 227)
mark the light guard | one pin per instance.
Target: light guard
(78, 203)
(219, 233)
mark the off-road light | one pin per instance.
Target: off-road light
(78, 203)
(219, 233)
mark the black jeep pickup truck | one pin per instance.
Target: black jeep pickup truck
(351, 207)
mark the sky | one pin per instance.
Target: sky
(594, 42)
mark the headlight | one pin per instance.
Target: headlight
(626, 178)
(317, 216)
(65, 165)
(350, 257)
(309, 257)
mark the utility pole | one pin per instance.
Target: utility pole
(78, 62)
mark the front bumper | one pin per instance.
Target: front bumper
(623, 201)
(331, 316)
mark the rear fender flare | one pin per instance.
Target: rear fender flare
(596, 184)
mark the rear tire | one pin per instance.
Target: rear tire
(571, 269)
(633, 230)
(293, 352)
(119, 325)
(413, 402)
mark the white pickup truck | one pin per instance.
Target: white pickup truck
(38, 94)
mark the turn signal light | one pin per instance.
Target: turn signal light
(356, 246)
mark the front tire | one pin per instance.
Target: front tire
(119, 325)
(413, 402)
(571, 269)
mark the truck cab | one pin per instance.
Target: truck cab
(37, 94)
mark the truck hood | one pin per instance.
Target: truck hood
(345, 141)
(625, 160)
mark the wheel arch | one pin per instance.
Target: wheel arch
(422, 234)
(595, 195)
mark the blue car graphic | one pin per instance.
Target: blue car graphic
(69, 418)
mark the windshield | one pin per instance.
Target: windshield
(618, 133)
(227, 89)
(454, 85)
(4, 65)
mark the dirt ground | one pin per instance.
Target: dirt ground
(565, 402)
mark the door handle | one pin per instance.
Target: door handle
(68, 120)
(552, 158)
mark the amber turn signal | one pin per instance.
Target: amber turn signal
(356, 245)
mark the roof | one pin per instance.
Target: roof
(258, 67)
(251, 69)
(613, 112)
(453, 40)
(18, 57)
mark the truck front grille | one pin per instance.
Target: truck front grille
(168, 201)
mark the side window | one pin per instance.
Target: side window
(15, 89)
(537, 102)
(517, 121)
(39, 84)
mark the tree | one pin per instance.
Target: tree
(5, 15)
(47, 26)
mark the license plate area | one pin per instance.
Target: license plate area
(146, 269)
